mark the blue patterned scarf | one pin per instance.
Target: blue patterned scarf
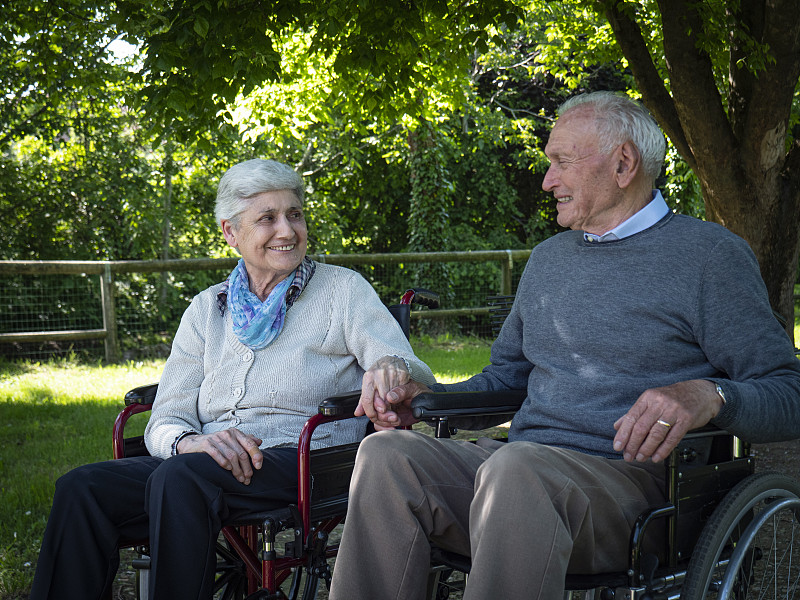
(255, 323)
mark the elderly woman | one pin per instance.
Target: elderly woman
(251, 360)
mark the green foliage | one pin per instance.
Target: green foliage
(52, 54)
(200, 55)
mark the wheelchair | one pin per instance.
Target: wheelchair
(724, 532)
(250, 563)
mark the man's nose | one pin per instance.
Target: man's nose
(548, 183)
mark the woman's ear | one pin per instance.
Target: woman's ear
(629, 164)
(229, 232)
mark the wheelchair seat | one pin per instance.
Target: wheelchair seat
(723, 532)
(250, 564)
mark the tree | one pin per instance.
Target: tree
(200, 55)
(52, 52)
(721, 79)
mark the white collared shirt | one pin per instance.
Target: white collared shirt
(651, 214)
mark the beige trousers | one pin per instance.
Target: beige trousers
(526, 513)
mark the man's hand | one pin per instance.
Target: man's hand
(386, 394)
(660, 418)
(233, 450)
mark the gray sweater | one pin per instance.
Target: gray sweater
(334, 331)
(596, 324)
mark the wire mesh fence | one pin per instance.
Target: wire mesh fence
(131, 309)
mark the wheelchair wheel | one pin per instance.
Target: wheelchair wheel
(750, 547)
(230, 579)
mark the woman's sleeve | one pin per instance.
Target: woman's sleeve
(371, 332)
(175, 407)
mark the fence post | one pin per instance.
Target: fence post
(109, 314)
(507, 268)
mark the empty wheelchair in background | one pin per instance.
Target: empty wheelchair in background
(250, 563)
(724, 533)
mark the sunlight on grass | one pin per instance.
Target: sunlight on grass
(57, 415)
(53, 416)
(452, 359)
(66, 382)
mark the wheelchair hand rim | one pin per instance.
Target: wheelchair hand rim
(749, 534)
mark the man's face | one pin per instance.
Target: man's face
(580, 177)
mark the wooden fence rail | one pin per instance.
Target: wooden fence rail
(106, 271)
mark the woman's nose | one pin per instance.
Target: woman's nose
(283, 227)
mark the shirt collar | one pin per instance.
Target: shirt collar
(651, 214)
(302, 276)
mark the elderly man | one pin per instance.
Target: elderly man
(627, 331)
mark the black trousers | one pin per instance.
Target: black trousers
(179, 504)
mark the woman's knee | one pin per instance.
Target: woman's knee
(180, 471)
(86, 480)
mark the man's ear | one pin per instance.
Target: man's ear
(629, 163)
(229, 232)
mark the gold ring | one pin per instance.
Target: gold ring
(664, 423)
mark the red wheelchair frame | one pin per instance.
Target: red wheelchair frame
(323, 480)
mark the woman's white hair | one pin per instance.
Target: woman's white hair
(620, 119)
(250, 178)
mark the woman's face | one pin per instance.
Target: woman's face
(271, 236)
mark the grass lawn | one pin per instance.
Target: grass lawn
(57, 415)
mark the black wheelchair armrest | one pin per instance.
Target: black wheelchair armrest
(144, 394)
(435, 405)
(341, 405)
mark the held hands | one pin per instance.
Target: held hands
(386, 394)
(660, 418)
(233, 450)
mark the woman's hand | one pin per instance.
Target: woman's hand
(233, 450)
(386, 393)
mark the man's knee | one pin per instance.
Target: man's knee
(514, 457)
(533, 466)
(396, 463)
(384, 449)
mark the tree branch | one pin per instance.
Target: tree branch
(773, 86)
(694, 89)
(650, 83)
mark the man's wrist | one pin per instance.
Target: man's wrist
(720, 392)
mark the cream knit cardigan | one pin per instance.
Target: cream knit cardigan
(335, 330)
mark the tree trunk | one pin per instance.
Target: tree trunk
(770, 225)
(735, 145)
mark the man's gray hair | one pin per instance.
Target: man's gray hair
(250, 178)
(621, 119)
